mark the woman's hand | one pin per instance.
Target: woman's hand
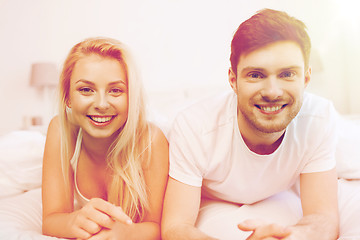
(118, 231)
(96, 215)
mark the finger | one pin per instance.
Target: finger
(91, 226)
(251, 224)
(113, 211)
(82, 234)
(77, 226)
(96, 216)
(100, 235)
(270, 230)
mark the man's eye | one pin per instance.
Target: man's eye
(255, 75)
(287, 74)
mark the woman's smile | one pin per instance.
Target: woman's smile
(100, 120)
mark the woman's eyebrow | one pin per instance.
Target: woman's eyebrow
(84, 81)
(91, 83)
(118, 82)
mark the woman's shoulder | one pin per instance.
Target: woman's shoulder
(54, 127)
(54, 131)
(159, 149)
(157, 135)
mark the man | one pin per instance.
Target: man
(256, 142)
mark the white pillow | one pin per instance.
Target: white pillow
(21, 217)
(348, 149)
(21, 154)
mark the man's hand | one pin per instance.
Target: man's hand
(262, 230)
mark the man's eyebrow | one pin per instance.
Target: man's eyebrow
(259, 69)
(249, 69)
(291, 67)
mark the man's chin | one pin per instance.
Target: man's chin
(272, 127)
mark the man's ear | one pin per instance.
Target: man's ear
(232, 79)
(307, 76)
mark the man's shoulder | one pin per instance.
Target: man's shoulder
(210, 113)
(317, 115)
(316, 106)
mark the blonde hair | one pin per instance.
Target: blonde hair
(131, 148)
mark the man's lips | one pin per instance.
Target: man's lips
(271, 109)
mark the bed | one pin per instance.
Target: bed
(20, 178)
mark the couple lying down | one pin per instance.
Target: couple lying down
(254, 163)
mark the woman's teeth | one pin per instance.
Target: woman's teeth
(100, 119)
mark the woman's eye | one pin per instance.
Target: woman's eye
(85, 90)
(116, 91)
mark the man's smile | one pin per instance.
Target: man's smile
(271, 109)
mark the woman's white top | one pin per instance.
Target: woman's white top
(80, 199)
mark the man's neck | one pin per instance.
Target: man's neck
(260, 142)
(263, 146)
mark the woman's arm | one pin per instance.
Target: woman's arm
(59, 217)
(156, 175)
(57, 200)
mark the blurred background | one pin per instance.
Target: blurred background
(182, 48)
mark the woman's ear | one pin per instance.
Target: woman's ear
(68, 109)
(232, 79)
(68, 103)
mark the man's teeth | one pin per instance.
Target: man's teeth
(271, 109)
(101, 119)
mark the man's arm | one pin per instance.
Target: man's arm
(320, 206)
(320, 212)
(181, 208)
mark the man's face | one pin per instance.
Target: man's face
(269, 84)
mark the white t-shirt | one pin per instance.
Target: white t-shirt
(208, 151)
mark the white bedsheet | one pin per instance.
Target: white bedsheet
(21, 155)
(20, 180)
(220, 219)
(21, 217)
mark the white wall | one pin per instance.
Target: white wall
(182, 46)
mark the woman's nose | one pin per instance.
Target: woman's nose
(101, 102)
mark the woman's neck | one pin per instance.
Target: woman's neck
(96, 148)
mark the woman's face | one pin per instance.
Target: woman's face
(98, 96)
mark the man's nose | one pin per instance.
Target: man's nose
(272, 89)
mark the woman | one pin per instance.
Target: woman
(101, 151)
